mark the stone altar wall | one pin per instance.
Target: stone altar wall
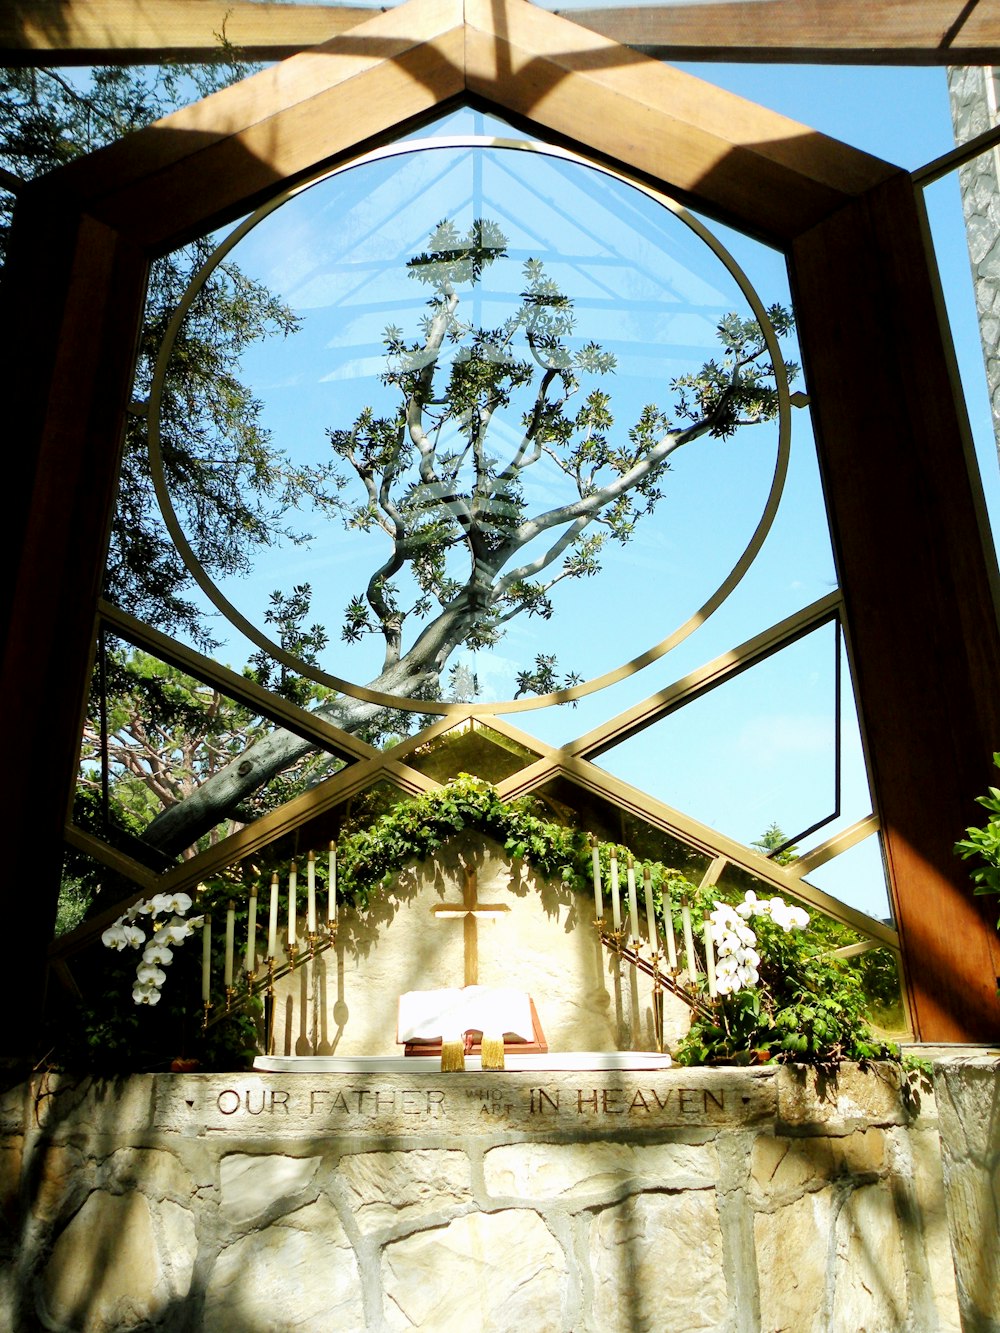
(679, 1200)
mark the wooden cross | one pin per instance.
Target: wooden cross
(470, 909)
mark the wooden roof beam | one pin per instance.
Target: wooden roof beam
(889, 32)
(809, 32)
(137, 32)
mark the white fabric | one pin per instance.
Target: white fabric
(444, 1015)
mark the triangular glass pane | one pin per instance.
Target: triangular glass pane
(758, 750)
(155, 735)
(471, 748)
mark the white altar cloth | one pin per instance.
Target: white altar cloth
(594, 1061)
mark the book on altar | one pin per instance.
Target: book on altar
(446, 1015)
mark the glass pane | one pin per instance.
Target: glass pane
(473, 749)
(155, 735)
(758, 750)
(572, 275)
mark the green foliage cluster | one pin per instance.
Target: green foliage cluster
(983, 844)
(809, 1008)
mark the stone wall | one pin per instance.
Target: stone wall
(678, 1200)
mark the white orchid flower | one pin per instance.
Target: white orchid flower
(114, 937)
(143, 994)
(171, 934)
(157, 953)
(149, 975)
(178, 902)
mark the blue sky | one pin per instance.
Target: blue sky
(759, 749)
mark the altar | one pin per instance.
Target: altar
(469, 919)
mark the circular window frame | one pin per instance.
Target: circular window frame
(440, 708)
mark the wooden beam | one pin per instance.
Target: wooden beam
(223, 155)
(738, 161)
(815, 32)
(69, 316)
(132, 32)
(889, 32)
(918, 582)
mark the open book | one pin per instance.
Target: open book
(446, 1015)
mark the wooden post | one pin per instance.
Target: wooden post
(919, 581)
(70, 312)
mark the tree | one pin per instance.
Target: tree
(232, 486)
(771, 840)
(464, 554)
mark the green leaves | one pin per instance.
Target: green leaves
(983, 844)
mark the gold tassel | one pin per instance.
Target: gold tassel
(452, 1056)
(492, 1049)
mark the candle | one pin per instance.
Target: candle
(311, 887)
(595, 855)
(688, 940)
(272, 925)
(616, 907)
(668, 926)
(251, 966)
(633, 906)
(206, 959)
(292, 881)
(332, 909)
(710, 958)
(647, 884)
(230, 942)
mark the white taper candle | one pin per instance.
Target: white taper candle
(595, 856)
(251, 965)
(311, 888)
(647, 884)
(633, 905)
(230, 943)
(206, 959)
(332, 908)
(272, 925)
(293, 875)
(616, 907)
(688, 940)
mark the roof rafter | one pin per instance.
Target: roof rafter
(890, 32)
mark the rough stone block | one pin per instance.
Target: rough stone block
(104, 1272)
(809, 1102)
(786, 1167)
(657, 1263)
(928, 1187)
(596, 1170)
(11, 1157)
(383, 1189)
(299, 1274)
(155, 1171)
(252, 1183)
(484, 1271)
(871, 1283)
(792, 1244)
